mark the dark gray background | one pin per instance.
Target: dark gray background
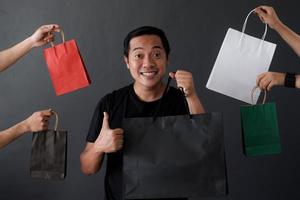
(196, 30)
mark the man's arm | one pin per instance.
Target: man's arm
(184, 80)
(91, 159)
(268, 15)
(38, 38)
(36, 122)
(108, 141)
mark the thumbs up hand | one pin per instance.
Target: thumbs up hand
(109, 140)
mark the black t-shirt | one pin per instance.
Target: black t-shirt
(124, 103)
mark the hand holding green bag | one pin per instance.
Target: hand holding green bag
(260, 128)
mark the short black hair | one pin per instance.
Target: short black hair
(146, 30)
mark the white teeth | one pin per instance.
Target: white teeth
(148, 73)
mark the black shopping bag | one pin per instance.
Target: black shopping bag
(174, 156)
(49, 154)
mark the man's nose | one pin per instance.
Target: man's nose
(148, 62)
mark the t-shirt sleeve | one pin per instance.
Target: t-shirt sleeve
(96, 122)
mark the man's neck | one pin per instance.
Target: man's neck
(149, 94)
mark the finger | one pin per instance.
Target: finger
(44, 126)
(45, 119)
(118, 137)
(46, 113)
(119, 131)
(56, 28)
(266, 83)
(180, 87)
(49, 37)
(183, 76)
(120, 142)
(179, 73)
(269, 87)
(50, 27)
(172, 75)
(261, 83)
(262, 14)
(119, 147)
(259, 78)
(105, 123)
(265, 8)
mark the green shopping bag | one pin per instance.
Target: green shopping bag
(260, 128)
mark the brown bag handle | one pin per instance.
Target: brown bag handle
(56, 120)
(62, 36)
(265, 95)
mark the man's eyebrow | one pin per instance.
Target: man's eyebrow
(137, 48)
(157, 47)
(154, 47)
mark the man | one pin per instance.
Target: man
(269, 79)
(39, 120)
(146, 51)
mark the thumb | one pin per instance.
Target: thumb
(172, 74)
(105, 123)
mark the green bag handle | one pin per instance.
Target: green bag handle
(265, 95)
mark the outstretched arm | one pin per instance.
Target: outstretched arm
(38, 38)
(268, 15)
(38, 121)
(267, 80)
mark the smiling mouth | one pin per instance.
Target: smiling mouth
(151, 73)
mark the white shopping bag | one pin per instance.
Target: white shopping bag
(240, 60)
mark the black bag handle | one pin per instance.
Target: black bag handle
(56, 119)
(163, 96)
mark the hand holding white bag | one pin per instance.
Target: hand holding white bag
(240, 60)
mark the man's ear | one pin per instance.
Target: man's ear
(126, 61)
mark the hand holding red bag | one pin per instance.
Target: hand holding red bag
(66, 67)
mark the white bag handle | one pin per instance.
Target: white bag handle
(245, 24)
(252, 92)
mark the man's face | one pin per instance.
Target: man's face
(147, 61)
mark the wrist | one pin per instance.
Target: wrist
(24, 126)
(31, 42)
(279, 26)
(297, 81)
(281, 79)
(290, 80)
(192, 96)
(97, 149)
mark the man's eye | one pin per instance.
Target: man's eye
(138, 55)
(157, 55)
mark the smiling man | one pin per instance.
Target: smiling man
(146, 52)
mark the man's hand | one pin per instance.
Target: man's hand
(109, 140)
(184, 80)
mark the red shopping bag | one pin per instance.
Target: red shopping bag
(66, 67)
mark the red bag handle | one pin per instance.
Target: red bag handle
(62, 36)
